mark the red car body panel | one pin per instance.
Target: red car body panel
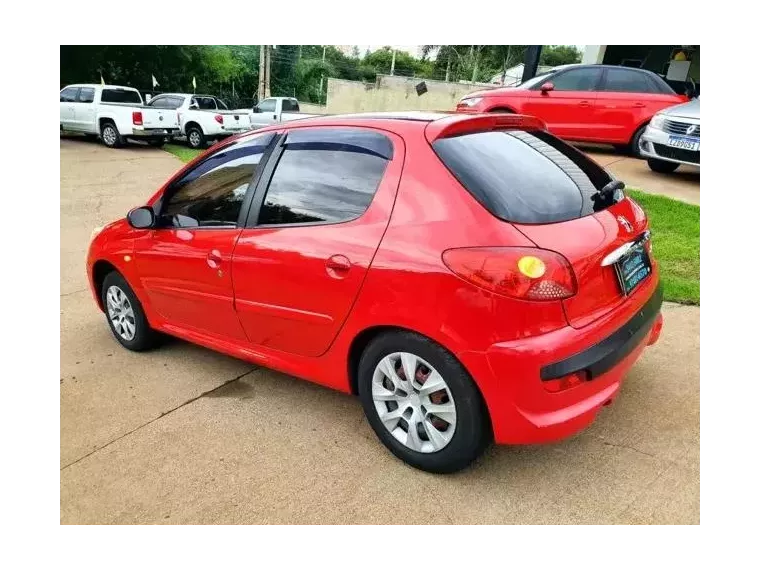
(590, 116)
(297, 299)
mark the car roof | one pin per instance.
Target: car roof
(99, 85)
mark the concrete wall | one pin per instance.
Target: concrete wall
(312, 108)
(394, 93)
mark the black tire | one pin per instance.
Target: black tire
(662, 166)
(144, 336)
(634, 148)
(158, 143)
(472, 431)
(195, 137)
(110, 136)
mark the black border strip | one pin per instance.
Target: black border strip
(604, 355)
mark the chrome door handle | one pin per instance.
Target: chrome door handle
(214, 259)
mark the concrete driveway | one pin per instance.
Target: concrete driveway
(184, 435)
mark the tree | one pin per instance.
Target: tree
(559, 55)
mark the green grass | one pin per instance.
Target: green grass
(675, 241)
(675, 237)
(184, 153)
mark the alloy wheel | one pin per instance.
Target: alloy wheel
(109, 135)
(120, 313)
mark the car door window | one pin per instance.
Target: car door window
(86, 95)
(159, 102)
(325, 176)
(577, 80)
(206, 103)
(69, 94)
(267, 106)
(212, 193)
(289, 105)
(626, 81)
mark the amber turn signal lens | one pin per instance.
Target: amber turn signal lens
(531, 266)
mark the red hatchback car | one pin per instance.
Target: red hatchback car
(470, 277)
(593, 103)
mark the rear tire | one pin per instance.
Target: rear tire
(110, 136)
(662, 166)
(195, 138)
(125, 314)
(635, 147)
(407, 406)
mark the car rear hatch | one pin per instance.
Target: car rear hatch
(550, 192)
(155, 118)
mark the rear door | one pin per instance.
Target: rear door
(548, 190)
(627, 99)
(568, 109)
(314, 228)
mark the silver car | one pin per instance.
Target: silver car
(672, 138)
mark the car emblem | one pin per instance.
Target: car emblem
(160, 117)
(691, 130)
(625, 223)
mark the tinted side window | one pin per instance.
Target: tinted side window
(160, 102)
(577, 80)
(267, 106)
(212, 193)
(322, 182)
(86, 95)
(289, 105)
(625, 81)
(528, 177)
(69, 94)
(120, 96)
(205, 103)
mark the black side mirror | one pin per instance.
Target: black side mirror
(141, 218)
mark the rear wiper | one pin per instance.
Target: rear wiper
(611, 193)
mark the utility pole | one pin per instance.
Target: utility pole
(393, 62)
(322, 79)
(262, 73)
(448, 67)
(267, 92)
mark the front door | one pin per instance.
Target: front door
(68, 106)
(299, 266)
(185, 263)
(568, 109)
(84, 113)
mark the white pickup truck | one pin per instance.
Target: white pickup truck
(203, 118)
(276, 110)
(114, 113)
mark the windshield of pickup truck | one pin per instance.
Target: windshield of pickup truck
(120, 96)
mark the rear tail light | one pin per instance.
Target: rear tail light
(137, 118)
(218, 119)
(527, 273)
(565, 382)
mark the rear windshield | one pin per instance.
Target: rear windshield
(527, 177)
(120, 96)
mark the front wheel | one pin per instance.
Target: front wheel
(635, 146)
(662, 166)
(422, 403)
(125, 314)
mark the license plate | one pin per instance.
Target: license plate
(633, 268)
(684, 143)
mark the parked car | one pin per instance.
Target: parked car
(114, 113)
(203, 118)
(672, 138)
(419, 260)
(276, 110)
(593, 103)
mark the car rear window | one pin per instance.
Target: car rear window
(120, 96)
(527, 177)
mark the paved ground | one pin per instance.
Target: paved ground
(683, 184)
(184, 435)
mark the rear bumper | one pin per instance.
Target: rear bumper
(512, 375)
(148, 133)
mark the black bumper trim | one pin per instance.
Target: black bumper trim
(604, 355)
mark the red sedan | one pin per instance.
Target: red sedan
(470, 277)
(592, 103)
